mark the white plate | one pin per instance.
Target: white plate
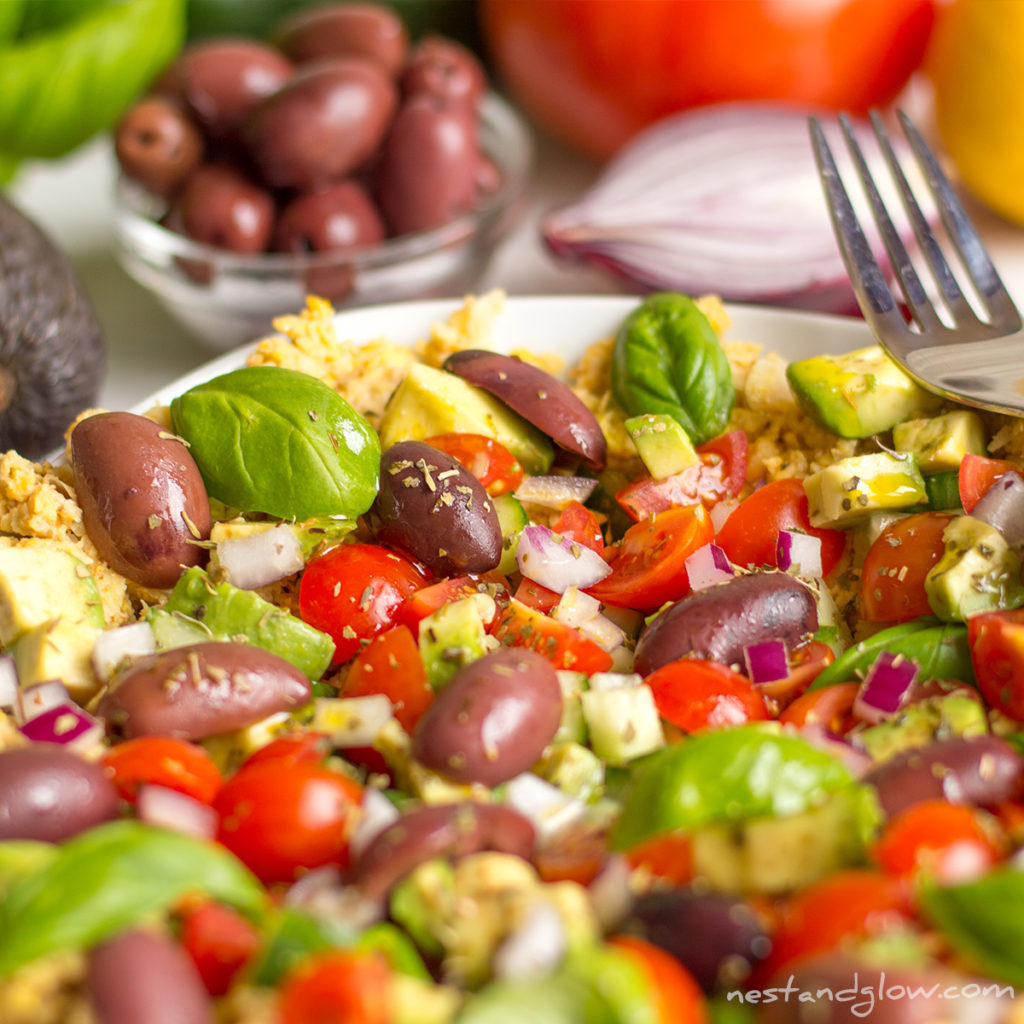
(563, 324)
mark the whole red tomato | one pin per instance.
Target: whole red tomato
(594, 72)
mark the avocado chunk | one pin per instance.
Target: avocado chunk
(858, 393)
(58, 649)
(850, 490)
(941, 442)
(978, 572)
(455, 635)
(429, 402)
(663, 446)
(923, 722)
(52, 350)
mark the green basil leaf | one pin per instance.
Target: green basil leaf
(20, 858)
(983, 920)
(108, 879)
(668, 359)
(724, 776)
(12, 16)
(61, 85)
(273, 440)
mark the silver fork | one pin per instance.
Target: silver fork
(977, 360)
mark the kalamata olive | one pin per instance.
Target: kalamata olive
(446, 69)
(324, 124)
(442, 830)
(982, 770)
(221, 80)
(430, 505)
(201, 690)
(717, 938)
(157, 144)
(145, 976)
(493, 720)
(341, 216)
(143, 500)
(220, 206)
(548, 403)
(49, 793)
(427, 171)
(370, 31)
(719, 622)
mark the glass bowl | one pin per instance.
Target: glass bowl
(226, 299)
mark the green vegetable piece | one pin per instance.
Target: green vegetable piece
(943, 490)
(940, 651)
(663, 446)
(453, 636)
(20, 858)
(668, 360)
(983, 920)
(199, 609)
(728, 775)
(268, 439)
(293, 936)
(110, 878)
(512, 518)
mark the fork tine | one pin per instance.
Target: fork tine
(965, 238)
(873, 294)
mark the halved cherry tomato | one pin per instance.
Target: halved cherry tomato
(292, 748)
(977, 474)
(488, 460)
(996, 640)
(220, 942)
(668, 856)
(649, 563)
(831, 706)
(531, 593)
(429, 599)
(675, 993)
(563, 646)
(947, 841)
(580, 525)
(694, 694)
(162, 761)
(338, 987)
(749, 536)
(391, 664)
(352, 592)
(280, 821)
(895, 567)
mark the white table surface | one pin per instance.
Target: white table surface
(71, 200)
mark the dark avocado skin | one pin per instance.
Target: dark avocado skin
(52, 350)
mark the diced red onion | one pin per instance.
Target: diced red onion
(64, 723)
(555, 491)
(857, 761)
(378, 813)
(178, 812)
(1002, 506)
(613, 680)
(603, 632)
(720, 512)
(576, 608)
(556, 562)
(766, 662)
(40, 697)
(323, 894)
(708, 565)
(610, 893)
(352, 721)
(9, 694)
(799, 552)
(885, 688)
(310, 884)
(113, 646)
(549, 808)
(724, 200)
(535, 947)
(258, 559)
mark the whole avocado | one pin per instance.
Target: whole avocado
(52, 350)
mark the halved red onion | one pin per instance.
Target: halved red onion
(1002, 506)
(40, 697)
(113, 646)
(555, 491)
(9, 693)
(885, 688)
(724, 200)
(535, 948)
(767, 661)
(64, 723)
(799, 553)
(258, 559)
(708, 565)
(556, 562)
(178, 812)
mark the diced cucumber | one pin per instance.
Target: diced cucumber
(455, 635)
(623, 723)
(943, 490)
(511, 518)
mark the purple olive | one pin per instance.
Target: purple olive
(157, 144)
(493, 720)
(48, 793)
(446, 69)
(144, 503)
(542, 399)
(220, 206)
(341, 216)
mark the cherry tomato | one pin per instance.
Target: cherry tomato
(563, 646)
(668, 856)
(749, 536)
(391, 664)
(280, 821)
(649, 563)
(338, 987)
(580, 525)
(488, 460)
(831, 706)
(594, 72)
(977, 474)
(352, 592)
(162, 761)
(996, 640)
(220, 942)
(947, 841)
(429, 599)
(675, 993)
(895, 567)
(531, 593)
(292, 748)
(694, 694)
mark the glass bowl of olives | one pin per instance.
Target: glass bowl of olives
(337, 160)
